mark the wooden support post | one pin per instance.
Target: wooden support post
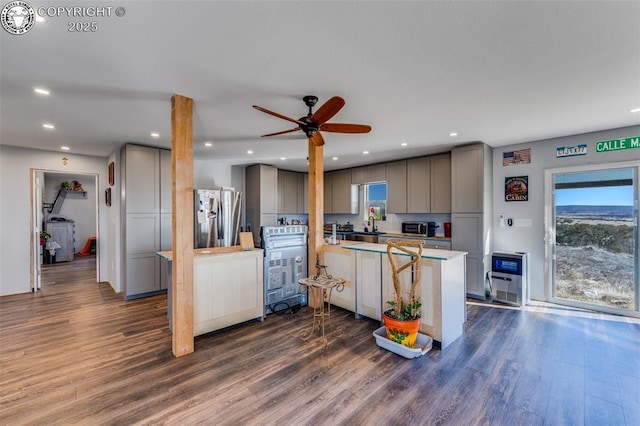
(316, 216)
(182, 224)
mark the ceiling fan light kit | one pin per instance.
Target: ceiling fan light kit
(314, 123)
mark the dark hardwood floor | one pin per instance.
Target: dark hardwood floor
(76, 353)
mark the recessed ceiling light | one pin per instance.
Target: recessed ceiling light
(452, 134)
(403, 144)
(155, 135)
(65, 148)
(635, 110)
(334, 158)
(208, 144)
(249, 152)
(41, 91)
(365, 152)
(48, 126)
(282, 158)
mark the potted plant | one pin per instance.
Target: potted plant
(44, 236)
(402, 319)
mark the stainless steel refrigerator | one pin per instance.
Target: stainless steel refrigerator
(217, 217)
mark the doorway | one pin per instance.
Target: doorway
(592, 237)
(73, 218)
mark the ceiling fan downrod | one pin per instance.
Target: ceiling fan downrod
(311, 128)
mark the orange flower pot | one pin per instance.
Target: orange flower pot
(402, 332)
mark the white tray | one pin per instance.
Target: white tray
(423, 344)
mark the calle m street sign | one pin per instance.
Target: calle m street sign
(618, 144)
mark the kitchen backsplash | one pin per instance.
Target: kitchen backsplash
(393, 222)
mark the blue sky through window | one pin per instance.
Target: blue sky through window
(603, 196)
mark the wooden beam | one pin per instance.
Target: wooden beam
(316, 215)
(182, 224)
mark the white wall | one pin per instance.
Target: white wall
(543, 156)
(211, 174)
(15, 209)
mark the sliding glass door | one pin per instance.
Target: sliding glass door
(592, 237)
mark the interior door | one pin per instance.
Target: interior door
(36, 282)
(592, 237)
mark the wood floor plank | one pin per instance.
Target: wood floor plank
(76, 353)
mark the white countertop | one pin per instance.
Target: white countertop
(426, 253)
(211, 251)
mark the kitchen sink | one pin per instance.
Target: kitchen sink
(367, 237)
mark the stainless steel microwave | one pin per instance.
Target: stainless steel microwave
(414, 228)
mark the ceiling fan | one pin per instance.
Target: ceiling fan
(315, 122)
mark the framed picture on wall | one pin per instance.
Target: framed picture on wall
(107, 197)
(111, 173)
(516, 188)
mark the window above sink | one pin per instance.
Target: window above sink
(375, 201)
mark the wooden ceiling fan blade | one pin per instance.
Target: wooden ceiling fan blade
(275, 114)
(281, 133)
(328, 110)
(317, 139)
(345, 128)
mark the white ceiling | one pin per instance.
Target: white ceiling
(493, 71)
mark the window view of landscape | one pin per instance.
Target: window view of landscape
(595, 246)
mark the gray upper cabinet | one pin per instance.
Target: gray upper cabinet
(261, 194)
(146, 214)
(303, 188)
(397, 187)
(441, 183)
(368, 174)
(419, 185)
(360, 175)
(471, 171)
(288, 192)
(340, 196)
(142, 170)
(341, 193)
(328, 204)
(166, 182)
(377, 173)
(467, 179)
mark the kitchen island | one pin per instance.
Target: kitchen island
(442, 285)
(227, 286)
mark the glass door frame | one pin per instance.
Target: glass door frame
(549, 236)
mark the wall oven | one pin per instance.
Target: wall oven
(285, 263)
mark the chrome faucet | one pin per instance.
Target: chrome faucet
(373, 224)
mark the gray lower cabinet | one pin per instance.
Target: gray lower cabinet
(468, 233)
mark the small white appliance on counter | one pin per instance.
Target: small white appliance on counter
(510, 278)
